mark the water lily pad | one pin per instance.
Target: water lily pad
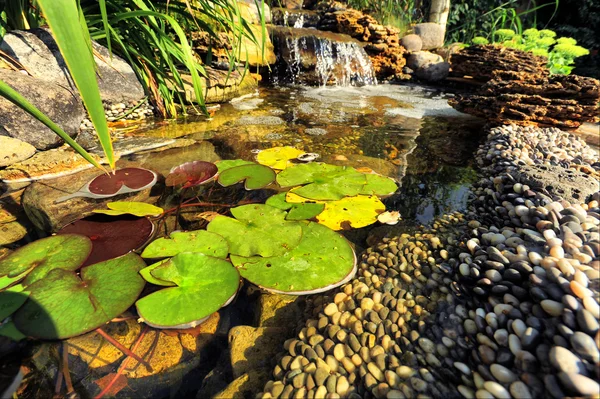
(379, 185)
(192, 174)
(146, 273)
(322, 260)
(12, 299)
(204, 285)
(300, 211)
(201, 241)
(9, 330)
(139, 209)
(257, 230)
(37, 259)
(232, 163)
(122, 181)
(350, 212)
(64, 305)
(278, 157)
(321, 181)
(255, 176)
(111, 236)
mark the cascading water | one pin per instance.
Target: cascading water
(308, 56)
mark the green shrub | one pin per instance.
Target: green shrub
(561, 52)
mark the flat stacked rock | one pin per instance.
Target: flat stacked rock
(516, 97)
(382, 42)
(480, 62)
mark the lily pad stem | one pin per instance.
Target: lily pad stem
(123, 349)
(65, 369)
(123, 365)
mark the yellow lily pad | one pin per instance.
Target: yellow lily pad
(278, 157)
(349, 212)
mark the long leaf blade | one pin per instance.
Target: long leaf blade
(63, 18)
(13, 96)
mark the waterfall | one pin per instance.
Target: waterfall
(308, 56)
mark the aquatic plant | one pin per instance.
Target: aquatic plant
(111, 236)
(253, 175)
(199, 241)
(134, 208)
(35, 260)
(122, 181)
(191, 174)
(278, 158)
(202, 284)
(64, 304)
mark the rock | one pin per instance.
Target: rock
(419, 59)
(564, 101)
(412, 43)
(46, 165)
(568, 184)
(433, 72)
(259, 53)
(479, 62)
(37, 51)
(292, 4)
(254, 348)
(431, 34)
(14, 150)
(296, 18)
(58, 103)
(40, 207)
(251, 11)
(276, 310)
(347, 61)
(245, 385)
(11, 232)
(220, 86)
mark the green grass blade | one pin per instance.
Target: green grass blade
(104, 13)
(63, 18)
(13, 96)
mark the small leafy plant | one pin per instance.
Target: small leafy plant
(561, 52)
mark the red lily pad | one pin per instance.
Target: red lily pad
(111, 236)
(192, 174)
(122, 181)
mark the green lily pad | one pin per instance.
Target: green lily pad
(257, 230)
(323, 260)
(63, 304)
(301, 211)
(37, 259)
(146, 273)
(12, 299)
(140, 209)
(191, 241)
(321, 181)
(379, 185)
(9, 330)
(255, 176)
(231, 163)
(204, 285)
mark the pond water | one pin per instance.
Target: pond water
(408, 133)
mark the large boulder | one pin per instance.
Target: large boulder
(258, 52)
(58, 103)
(37, 51)
(431, 34)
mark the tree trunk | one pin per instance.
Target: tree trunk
(438, 12)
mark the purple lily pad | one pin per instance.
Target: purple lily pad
(192, 174)
(111, 236)
(122, 181)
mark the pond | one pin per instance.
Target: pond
(408, 133)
